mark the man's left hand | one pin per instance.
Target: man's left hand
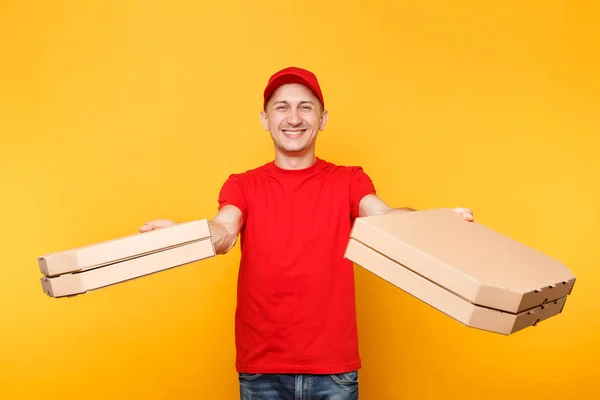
(466, 213)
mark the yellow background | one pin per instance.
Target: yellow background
(116, 112)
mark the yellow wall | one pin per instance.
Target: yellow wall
(113, 113)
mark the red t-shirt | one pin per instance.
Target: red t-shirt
(296, 302)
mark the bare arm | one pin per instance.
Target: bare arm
(225, 228)
(372, 205)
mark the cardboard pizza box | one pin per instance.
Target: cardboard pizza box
(86, 268)
(72, 284)
(123, 248)
(470, 272)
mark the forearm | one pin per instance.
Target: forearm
(372, 205)
(225, 228)
(222, 236)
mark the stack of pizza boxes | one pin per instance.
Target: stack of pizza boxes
(80, 270)
(468, 271)
(473, 274)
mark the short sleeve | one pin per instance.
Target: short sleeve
(360, 186)
(233, 193)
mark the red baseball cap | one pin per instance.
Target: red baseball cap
(293, 75)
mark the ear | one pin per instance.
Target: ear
(264, 120)
(324, 116)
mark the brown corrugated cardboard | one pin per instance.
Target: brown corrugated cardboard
(447, 302)
(71, 284)
(116, 250)
(474, 274)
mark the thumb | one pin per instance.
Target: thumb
(466, 213)
(148, 226)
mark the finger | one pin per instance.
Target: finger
(148, 226)
(465, 213)
(159, 224)
(467, 216)
(461, 210)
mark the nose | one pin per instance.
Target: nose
(293, 117)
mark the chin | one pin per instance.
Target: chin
(294, 150)
(293, 146)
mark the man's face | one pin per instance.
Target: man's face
(294, 117)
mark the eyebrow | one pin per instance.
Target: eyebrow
(286, 102)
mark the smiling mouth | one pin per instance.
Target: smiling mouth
(293, 133)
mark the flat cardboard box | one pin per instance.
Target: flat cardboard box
(470, 272)
(447, 302)
(86, 268)
(72, 284)
(107, 252)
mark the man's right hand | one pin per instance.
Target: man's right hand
(156, 224)
(224, 227)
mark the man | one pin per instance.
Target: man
(296, 334)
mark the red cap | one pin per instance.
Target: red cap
(293, 75)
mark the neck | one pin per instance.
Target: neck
(295, 161)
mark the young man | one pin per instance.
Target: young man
(296, 334)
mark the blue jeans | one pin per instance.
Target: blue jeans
(299, 387)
